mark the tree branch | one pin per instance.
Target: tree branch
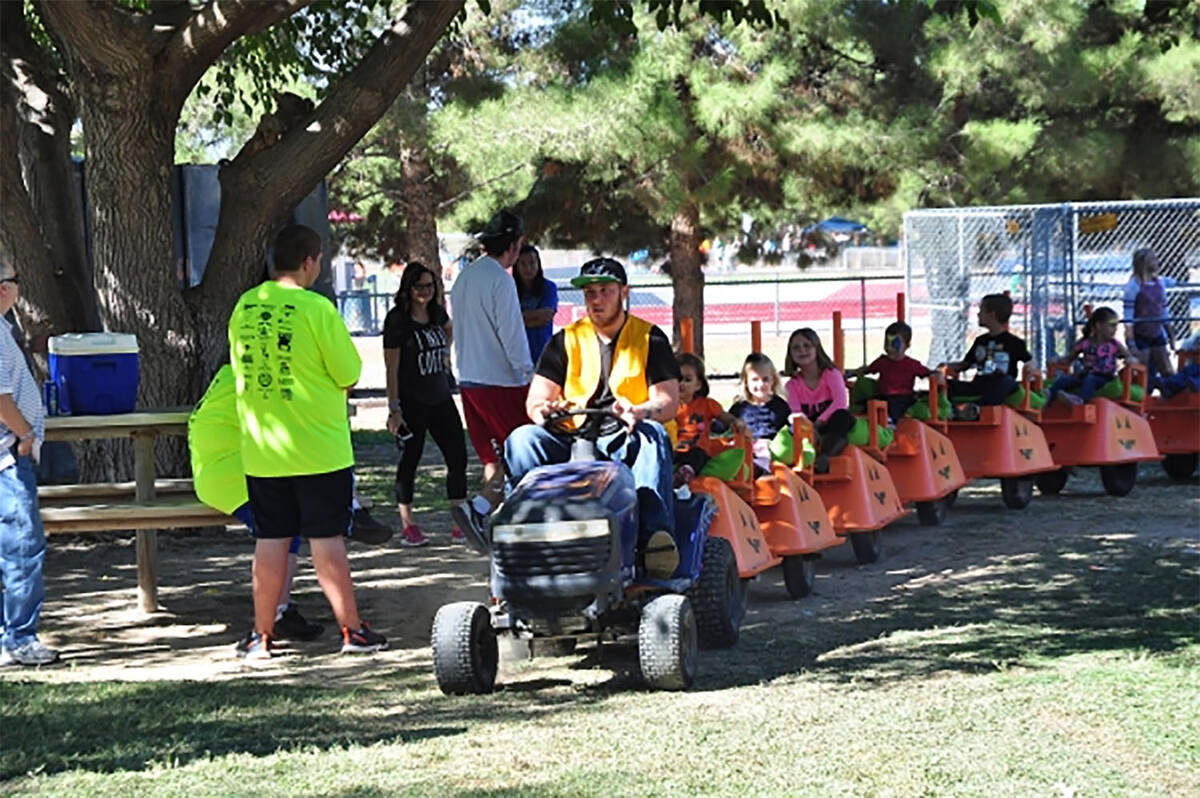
(195, 45)
(99, 33)
(467, 192)
(259, 187)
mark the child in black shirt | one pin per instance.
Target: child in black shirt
(994, 356)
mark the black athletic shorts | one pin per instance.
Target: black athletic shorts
(312, 506)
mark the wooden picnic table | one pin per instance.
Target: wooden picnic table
(147, 513)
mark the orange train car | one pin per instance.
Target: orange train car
(776, 519)
(1111, 434)
(1006, 444)
(1175, 423)
(859, 495)
(924, 464)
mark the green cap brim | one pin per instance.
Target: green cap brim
(580, 282)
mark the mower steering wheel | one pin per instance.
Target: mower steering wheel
(597, 421)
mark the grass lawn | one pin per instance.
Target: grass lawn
(1070, 667)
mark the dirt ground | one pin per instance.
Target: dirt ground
(91, 614)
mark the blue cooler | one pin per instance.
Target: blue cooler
(95, 373)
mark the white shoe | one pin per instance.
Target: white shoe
(32, 653)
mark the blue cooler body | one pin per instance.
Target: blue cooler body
(95, 373)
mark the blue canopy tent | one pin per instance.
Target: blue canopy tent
(836, 225)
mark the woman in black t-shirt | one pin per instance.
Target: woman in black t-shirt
(416, 353)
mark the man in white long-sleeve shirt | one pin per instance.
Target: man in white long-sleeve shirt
(491, 353)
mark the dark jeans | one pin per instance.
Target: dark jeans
(692, 456)
(832, 433)
(443, 423)
(647, 452)
(1082, 385)
(898, 405)
(992, 389)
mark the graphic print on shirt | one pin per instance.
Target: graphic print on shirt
(991, 359)
(266, 356)
(696, 427)
(432, 350)
(814, 409)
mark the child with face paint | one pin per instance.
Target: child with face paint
(897, 371)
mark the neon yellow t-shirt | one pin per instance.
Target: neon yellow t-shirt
(293, 359)
(214, 439)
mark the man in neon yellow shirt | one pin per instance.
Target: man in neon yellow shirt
(293, 360)
(214, 441)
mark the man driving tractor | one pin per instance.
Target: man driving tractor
(610, 360)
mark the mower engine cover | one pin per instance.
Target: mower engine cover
(565, 537)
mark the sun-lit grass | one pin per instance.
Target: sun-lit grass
(1070, 667)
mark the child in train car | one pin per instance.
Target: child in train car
(897, 371)
(818, 390)
(759, 406)
(1188, 377)
(694, 419)
(995, 356)
(1099, 349)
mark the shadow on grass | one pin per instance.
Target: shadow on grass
(128, 726)
(1079, 595)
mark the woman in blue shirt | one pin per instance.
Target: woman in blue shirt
(539, 300)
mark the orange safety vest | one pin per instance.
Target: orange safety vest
(627, 379)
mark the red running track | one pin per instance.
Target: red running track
(880, 304)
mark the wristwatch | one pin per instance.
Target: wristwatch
(394, 406)
(26, 436)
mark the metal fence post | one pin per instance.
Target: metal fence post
(777, 288)
(862, 295)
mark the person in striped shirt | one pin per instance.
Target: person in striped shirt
(22, 539)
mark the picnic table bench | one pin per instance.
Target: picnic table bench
(146, 504)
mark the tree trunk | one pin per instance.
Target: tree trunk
(129, 156)
(41, 306)
(686, 274)
(50, 180)
(418, 204)
(43, 233)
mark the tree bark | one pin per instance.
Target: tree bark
(130, 123)
(44, 236)
(418, 203)
(686, 274)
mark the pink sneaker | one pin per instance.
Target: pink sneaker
(411, 536)
(457, 536)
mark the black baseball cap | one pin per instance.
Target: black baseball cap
(600, 270)
(504, 223)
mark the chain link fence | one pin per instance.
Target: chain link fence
(781, 303)
(1053, 260)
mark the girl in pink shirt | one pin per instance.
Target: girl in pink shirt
(817, 390)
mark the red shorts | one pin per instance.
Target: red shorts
(492, 414)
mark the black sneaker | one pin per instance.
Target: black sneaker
(474, 526)
(294, 626)
(967, 412)
(364, 640)
(255, 646)
(366, 529)
(821, 464)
